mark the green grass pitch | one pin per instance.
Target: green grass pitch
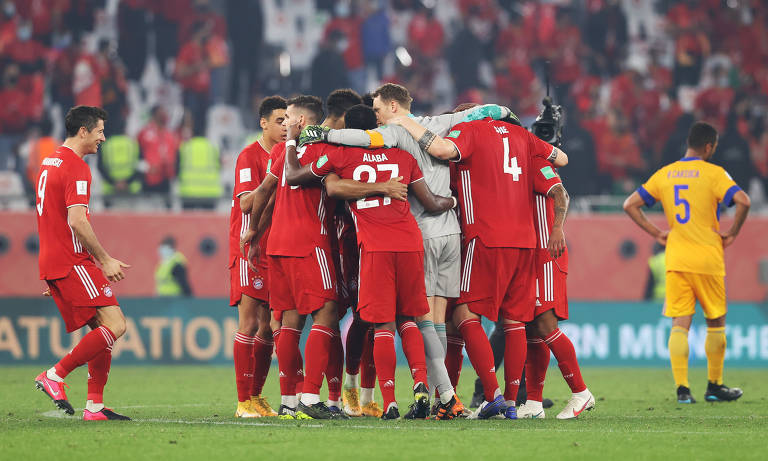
(186, 413)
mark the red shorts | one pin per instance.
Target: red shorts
(498, 280)
(551, 289)
(302, 283)
(391, 284)
(244, 281)
(80, 294)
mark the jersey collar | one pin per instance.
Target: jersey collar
(689, 159)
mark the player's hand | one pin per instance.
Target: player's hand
(47, 292)
(245, 239)
(395, 189)
(292, 130)
(254, 254)
(662, 238)
(312, 134)
(556, 244)
(113, 269)
(728, 239)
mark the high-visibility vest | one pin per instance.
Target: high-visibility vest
(659, 270)
(199, 169)
(120, 155)
(165, 284)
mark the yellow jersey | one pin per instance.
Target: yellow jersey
(691, 191)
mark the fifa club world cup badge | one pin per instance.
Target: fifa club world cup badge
(258, 283)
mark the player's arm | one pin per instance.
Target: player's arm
(429, 142)
(633, 207)
(78, 221)
(742, 202)
(261, 198)
(434, 204)
(558, 158)
(442, 124)
(295, 174)
(246, 201)
(556, 243)
(349, 189)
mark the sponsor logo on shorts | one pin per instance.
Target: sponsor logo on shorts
(258, 283)
(107, 292)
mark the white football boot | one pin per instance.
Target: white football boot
(530, 409)
(579, 402)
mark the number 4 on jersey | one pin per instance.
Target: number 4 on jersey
(510, 164)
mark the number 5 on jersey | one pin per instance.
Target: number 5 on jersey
(393, 169)
(681, 201)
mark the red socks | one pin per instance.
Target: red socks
(367, 366)
(514, 358)
(536, 364)
(98, 371)
(563, 350)
(385, 359)
(289, 360)
(413, 347)
(262, 361)
(242, 352)
(454, 358)
(92, 344)
(317, 350)
(335, 370)
(481, 355)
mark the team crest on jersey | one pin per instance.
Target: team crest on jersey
(107, 292)
(258, 283)
(352, 284)
(454, 134)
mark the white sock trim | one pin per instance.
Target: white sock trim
(51, 374)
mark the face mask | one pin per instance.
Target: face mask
(342, 9)
(165, 252)
(9, 9)
(342, 45)
(24, 33)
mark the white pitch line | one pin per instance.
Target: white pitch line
(442, 427)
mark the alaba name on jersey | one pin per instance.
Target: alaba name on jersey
(303, 215)
(495, 181)
(250, 170)
(382, 224)
(544, 179)
(64, 181)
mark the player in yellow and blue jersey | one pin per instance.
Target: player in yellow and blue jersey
(691, 191)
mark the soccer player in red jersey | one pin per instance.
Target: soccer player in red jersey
(303, 273)
(68, 248)
(390, 288)
(249, 289)
(542, 333)
(498, 276)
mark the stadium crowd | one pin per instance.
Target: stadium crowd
(183, 75)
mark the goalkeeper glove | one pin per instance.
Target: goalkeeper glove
(312, 134)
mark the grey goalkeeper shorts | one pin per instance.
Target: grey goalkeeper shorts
(442, 265)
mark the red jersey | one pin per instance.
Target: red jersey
(382, 224)
(303, 215)
(495, 181)
(250, 170)
(545, 178)
(64, 181)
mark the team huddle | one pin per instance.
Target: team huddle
(355, 209)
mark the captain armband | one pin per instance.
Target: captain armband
(426, 140)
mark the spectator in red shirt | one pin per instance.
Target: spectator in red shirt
(348, 23)
(14, 119)
(426, 37)
(159, 153)
(193, 72)
(86, 83)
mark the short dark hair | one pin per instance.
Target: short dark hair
(394, 92)
(701, 134)
(87, 116)
(169, 240)
(368, 99)
(270, 104)
(360, 117)
(337, 103)
(312, 104)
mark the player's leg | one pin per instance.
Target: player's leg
(454, 355)
(386, 360)
(536, 363)
(413, 347)
(289, 361)
(710, 291)
(243, 354)
(497, 342)
(679, 305)
(335, 373)
(317, 350)
(264, 345)
(368, 405)
(356, 335)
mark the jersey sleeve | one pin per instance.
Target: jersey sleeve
(327, 163)
(544, 176)
(462, 136)
(275, 166)
(651, 190)
(539, 148)
(77, 190)
(725, 188)
(416, 173)
(246, 176)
